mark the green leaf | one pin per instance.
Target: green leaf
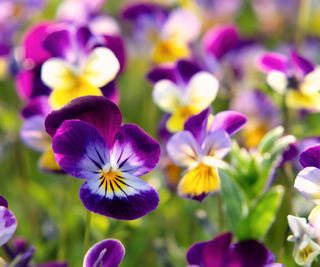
(263, 214)
(267, 142)
(234, 201)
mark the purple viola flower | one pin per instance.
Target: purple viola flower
(263, 115)
(106, 253)
(200, 149)
(166, 35)
(89, 142)
(8, 222)
(220, 252)
(295, 76)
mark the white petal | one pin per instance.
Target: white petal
(277, 81)
(300, 227)
(217, 144)
(308, 184)
(166, 95)
(183, 149)
(101, 67)
(202, 90)
(311, 83)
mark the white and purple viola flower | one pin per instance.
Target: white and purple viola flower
(200, 149)
(65, 61)
(220, 252)
(295, 76)
(182, 90)
(90, 143)
(106, 253)
(166, 34)
(8, 222)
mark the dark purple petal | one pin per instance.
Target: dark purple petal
(310, 157)
(212, 253)
(96, 110)
(249, 254)
(197, 125)
(130, 207)
(220, 40)
(186, 69)
(303, 65)
(29, 83)
(111, 91)
(58, 41)
(83, 35)
(230, 121)
(117, 46)
(107, 253)
(163, 134)
(25, 258)
(3, 202)
(135, 151)
(273, 61)
(33, 43)
(4, 50)
(164, 72)
(37, 106)
(79, 149)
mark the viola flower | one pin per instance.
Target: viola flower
(90, 143)
(34, 135)
(8, 222)
(182, 91)
(200, 149)
(168, 34)
(263, 115)
(305, 249)
(220, 252)
(106, 253)
(296, 77)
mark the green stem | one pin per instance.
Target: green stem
(221, 213)
(86, 240)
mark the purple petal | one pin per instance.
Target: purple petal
(303, 65)
(29, 83)
(197, 125)
(164, 72)
(230, 121)
(96, 110)
(310, 157)
(186, 69)
(135, 151)
(135, 204)
(211, 253)
(111, 91)
(32, 43)
(37, 106)
(249, 254)
(163, 134)
(59, 41)
(106, 253)
(79, 149)
(53, 264)
(273, 61)
(8, 225)
(3, 202)
(220, 40)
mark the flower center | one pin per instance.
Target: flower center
(112, 180)
(305, 253)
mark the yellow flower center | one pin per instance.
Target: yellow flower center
(112, 180)
(305, 253)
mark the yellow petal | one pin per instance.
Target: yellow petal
(199, 181)
(47, 161)
(178, 118)
(297, 100)
(59, 97)
(101, 67)
(56, 74)
(169, 51)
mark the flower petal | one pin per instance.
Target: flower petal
(199, 181)
(37, 106)
(277, 80)
(303, 65)
(183, 149)
(106, 253)
(310, 157)
(186, 69)
(308, 184)
(166, 95)
(3, 202)
(8, 225)
(230, 121)
(126, 198)
(202, 90)
(217, 144)
(79, 149)
(134, 151)
(101, 67)
(96, 110)
(162, 72)
(47, 162)
(273, 62)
